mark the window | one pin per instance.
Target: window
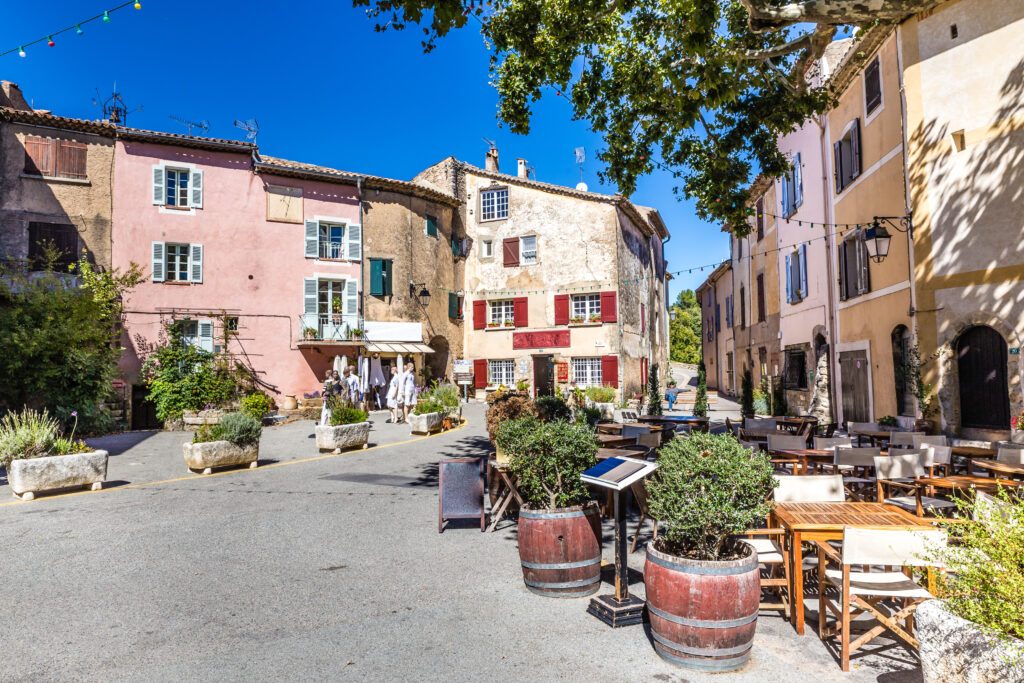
(586, 372)
(586, 308)
(872, 86)
(743, 307)
(762, 361)
(792, 188)
(431, 227)
(501, 313)
(901, 373)
(795, 373)
(381, 276)
(528, 250)
(854, 278)
(796, 275)
(501, 372)
(231, 323)
(846, 157)
(189, 331)
(332, 241)
(486, 248)
(52, 246)
(494, 204)
(729, 370)
(728, 311)
(177, 262)
(454, 306)
(759, 208)
(55, 158)
(761, 313)
(331, 299)
(718, 317)
(177, 187)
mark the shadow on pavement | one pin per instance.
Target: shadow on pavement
(116, 444)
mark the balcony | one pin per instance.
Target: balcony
(329, 329)
(332, 251)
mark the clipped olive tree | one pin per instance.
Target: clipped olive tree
(747, 394)
(653, 391)
(700, 402)
(547, 458)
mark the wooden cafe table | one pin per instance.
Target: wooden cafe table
(825, 522)
(614, 440)
(996, 468)
(808, 457)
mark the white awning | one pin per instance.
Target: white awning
(397, 347)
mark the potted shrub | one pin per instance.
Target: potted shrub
(233, 441)
(707, 490)
(38, 458)
(503, 407)
(550, 408)
(602, 398)
(432, 407)
(1017, 426)
(257, 405)
(494, 323)
(595, 318)
(349, 428)
(975, 632)
(559, 526)
(357, 333)
(510, 323)
(336, 310)
(888, 421)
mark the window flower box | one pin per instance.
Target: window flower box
(576, 320)
(510, 323)
(493, 325)
(595, 318)
(29, 476)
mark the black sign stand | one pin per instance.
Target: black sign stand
(620, 608)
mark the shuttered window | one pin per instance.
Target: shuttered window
(854, 276)
(180, 188)
(761, 313)
(55, 158)
(791, 188)
(586, 372)
(846, 157)
(760, 219)
(381, 276)
(501, 372)
(431, 227)
(177, 262)
(872, 86)
(52, 246)
(743, 308)
(454, 306)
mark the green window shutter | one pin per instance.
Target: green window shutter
(376, 277)
(387, 276)
(432, 226)
(453, 305)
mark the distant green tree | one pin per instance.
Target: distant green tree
(685, 329)
(747, 394)
(700, 403)
(653, 391)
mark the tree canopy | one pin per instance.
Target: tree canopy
(702, 88)
(685, 329)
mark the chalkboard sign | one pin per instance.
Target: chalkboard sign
(460, 493)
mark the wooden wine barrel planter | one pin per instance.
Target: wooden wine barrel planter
(561, 550)
(703, 614)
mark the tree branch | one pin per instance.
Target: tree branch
(766, 15)
(786, 48)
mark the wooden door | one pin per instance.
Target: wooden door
(981, 364)
(853, 368)
(543, 375)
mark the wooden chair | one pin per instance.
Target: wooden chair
(922, 440)
(856, 466)
(900, 471)
(903, 439)
(890, 596)
(822, 443)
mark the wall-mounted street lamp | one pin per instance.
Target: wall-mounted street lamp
(423, 294)
(877, 238)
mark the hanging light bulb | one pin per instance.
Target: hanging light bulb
(78, 29)
(21, 52)
(106, 17)
(138, 5)
(49, 41)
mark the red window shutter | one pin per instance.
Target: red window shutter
(643, 320)
(480, 374)
(479, 314)
(510, 251)
(520, 311)
(71, 158)
(609, 307)
(610, 371)
(561, 309)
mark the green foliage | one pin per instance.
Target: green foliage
(256, 405)
(983, 579)
(551, 408)
(707, 489)
(440, 398)
(505, 406)
(240, 429)
(685, 329)
(347, 415)
(923, 391)
(653, 391)
(888, 421)
(547, 459)
(589, 416)
(601, 394)
(761, 405)
(181, 377)
(700, 402)
(747, 394)
(32, 434)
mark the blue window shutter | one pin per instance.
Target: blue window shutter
(789, 278)
(376, 277)
(158, 267)
(453, 305)
(798, 181)
(431, 228)
(803, 271)
(312, 239)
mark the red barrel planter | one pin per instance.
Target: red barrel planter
(560, 550)
(703, 613)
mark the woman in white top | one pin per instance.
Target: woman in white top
(394, 393)
(409, 388)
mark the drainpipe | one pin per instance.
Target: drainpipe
(833, 317)
(906, 180)
(362, 251)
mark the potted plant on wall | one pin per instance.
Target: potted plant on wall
(235, 440)
(336, 310)
(602, 398)
(348, 427)
(707, 490)
(559, 526)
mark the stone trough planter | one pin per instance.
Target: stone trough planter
(339, 437)
(428, 423)
(954, 650)
(33, 475)
(206, 456)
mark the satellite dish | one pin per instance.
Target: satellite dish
(250, 126)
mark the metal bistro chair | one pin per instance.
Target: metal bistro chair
(890, 596)
(900, 471)
(903, 439)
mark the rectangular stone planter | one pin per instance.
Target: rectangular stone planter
(206, 456)
(339, 437)
(954, 650)
(426, 423)
(32, 475)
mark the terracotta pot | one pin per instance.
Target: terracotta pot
(289, 402)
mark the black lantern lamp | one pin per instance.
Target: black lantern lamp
(423, 295)
(877, 238)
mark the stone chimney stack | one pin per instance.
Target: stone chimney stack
(10, 96)
(523, 171)
(491, 162)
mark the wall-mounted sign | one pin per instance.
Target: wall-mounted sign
(540, 340)
(562, 372)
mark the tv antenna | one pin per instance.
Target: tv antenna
(581, 156)
(251, 128)
(189, 125)
(114, 107)
(491, 143)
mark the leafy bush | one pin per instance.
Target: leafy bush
(761, 406)
(653, 391)
(347, 415)
(240, 429)
(551, 408)
(747, 394)
(440, 398)
(256, 405)
(707, 489)
(547, 458)
(700, 402)
(505, 406)
(32, 434)
(888, 421)
(589, 416)
(601, 394)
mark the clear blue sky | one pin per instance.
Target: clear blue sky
(324, 87)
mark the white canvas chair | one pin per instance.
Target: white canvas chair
(761, 424)
(1011, 456)
(890, 596)
(643, 435)
(938, 458)
(922, 440)
(856, 465)
(815, 488)
(855, 428)
(903, 439)
(780, 441)
(822, 443)
(901, 471)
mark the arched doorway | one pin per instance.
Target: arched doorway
(437, 362)
(901, 374)
(981, 369)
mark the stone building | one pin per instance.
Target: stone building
(716, 301)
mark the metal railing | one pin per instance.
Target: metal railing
(332, 250)
(314, 327)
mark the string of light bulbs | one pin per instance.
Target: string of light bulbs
(104, 17)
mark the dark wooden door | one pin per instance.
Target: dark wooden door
(543, 375)
(143, 410)
(981, 364)
(853, 367)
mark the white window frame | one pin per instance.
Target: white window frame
(585, 306)
(497, 197)
(167, 261)
(870, 116)
(586, 371)
(533, 260)
(487, 248)
(326, 225)
(505, 309)
(179, 172)
(502, 371)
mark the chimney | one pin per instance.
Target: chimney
(491, 162)
(10, 96)
(523, 170)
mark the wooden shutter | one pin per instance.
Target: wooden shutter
(872, 86)
(759, 208)
(453, 305)
(351, 297)
(158, 262)
(561, 309)
(479, 314)
(387, 276)
(761, 312)
(855, 149)
(609, 307)
(159, 187)
(837, 165)
(195, 263)
(71, 156)
(480, 373)
(197, 189)
(803, 271)
(521, 311)
(863, 272)
(309, 293)
(610, 371)
(312, 239)
(844, 278)
(510, 251)
(376, 277)
(354, 240)
(39, 156)
(206, 335)
(789, 279)
(798, 182)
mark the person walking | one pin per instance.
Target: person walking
(670, 395)
(394, 390)
(352, 384)
(408, 389)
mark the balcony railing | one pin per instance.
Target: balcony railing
(332, 328)
(332, 250)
